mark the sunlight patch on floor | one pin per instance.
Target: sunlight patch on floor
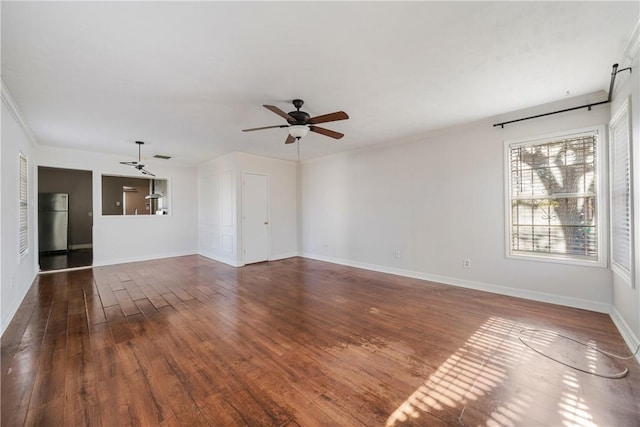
(481, 365)
(471, 372)
(572, 407)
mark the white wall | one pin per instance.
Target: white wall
(119, 239)
(626, 299)
(17, 274)
(217, 230)
(219, 218)
(438, 200)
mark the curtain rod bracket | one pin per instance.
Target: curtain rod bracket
(614, 72)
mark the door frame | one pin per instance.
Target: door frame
(242, 215)
(36, 190)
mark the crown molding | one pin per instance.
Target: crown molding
(8, 100)
(632, 46)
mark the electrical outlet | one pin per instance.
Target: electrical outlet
(396, 253)
(466, 263)
(12, 281)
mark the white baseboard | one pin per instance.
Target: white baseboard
(100, 263)
(480, 286)
(234, 263)
(626, 332)
(228, 261)
(283, 256)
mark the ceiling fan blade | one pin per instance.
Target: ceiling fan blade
(290, 140)
(332, 117)
(326, 132)
(146, 172)
(129, 163)
(265, 127)
(279, 112)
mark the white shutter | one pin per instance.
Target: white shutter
(620, 182)
(23, 206)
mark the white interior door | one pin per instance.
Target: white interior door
(255, 217)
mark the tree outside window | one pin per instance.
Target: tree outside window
(553, 197)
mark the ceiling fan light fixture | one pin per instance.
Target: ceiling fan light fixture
(300, 123)
(138, 165)
(298, 131)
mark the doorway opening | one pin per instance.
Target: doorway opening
(65, 218)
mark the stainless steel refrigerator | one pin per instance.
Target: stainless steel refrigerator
(53, 221)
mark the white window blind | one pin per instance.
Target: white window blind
(23, 206)
(553, 198)
(620, 182)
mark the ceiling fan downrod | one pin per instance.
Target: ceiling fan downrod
(139, 150)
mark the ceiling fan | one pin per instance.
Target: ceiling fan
(137, 164)
(300, 123)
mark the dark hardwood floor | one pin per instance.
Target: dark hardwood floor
(188, 341)
(68, 259)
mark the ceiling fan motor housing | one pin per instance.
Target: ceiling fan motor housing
(301, 118)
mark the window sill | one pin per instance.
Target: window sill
(558, 259)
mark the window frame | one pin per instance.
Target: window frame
(601, 212)
(168, 196)
(23, 203)
(623, 112)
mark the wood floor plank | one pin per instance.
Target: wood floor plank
(16, 391)
(189, 409)
(188, 341)
(149, 398)
(133, 288)
(47, 414)
(46, 402)
(107, 296)
(81, 394)
(125, 302)
(95, 309)
(120, 329)
(153, 296)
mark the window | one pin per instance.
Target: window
(620, 184)
(23, 206)
(553, 198)
(125, 195)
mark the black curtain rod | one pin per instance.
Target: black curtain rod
(614, 72)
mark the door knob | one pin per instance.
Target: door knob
(266, 222)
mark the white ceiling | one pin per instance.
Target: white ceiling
(187, 77)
